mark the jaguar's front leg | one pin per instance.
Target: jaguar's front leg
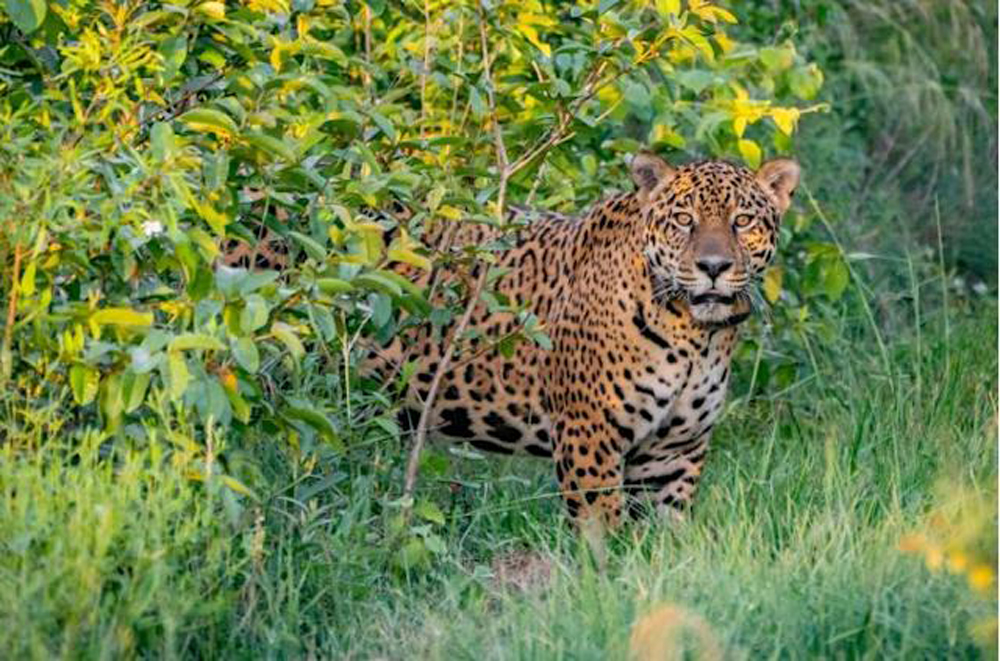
(664, 476)
(589, 467)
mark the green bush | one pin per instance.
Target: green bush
(139, 140)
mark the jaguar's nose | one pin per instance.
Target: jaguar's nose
(714, 265)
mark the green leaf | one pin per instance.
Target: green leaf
(378, 282)
(28, 279)
(134, 388)
(805, 82)
(269, 145)
(777, 59)
(110, 400)
(412, 555)
(162, 140)
(254, 314)
(229, 280)
(384, 125)
(121, 317)
(174, 51)
(256, 280)
(246, 354)
(323, 322)
(235, 485)
(695, 80)
(836, 277)
(310, 245)
(179, 376)
(429, 511)
(207, 120)
(334, 286)
(27, 15)
(286, 334)
(316, 420)
(326, 51)
(195, 341)
(84, 380)
(404, 283)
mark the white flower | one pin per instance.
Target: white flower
(152, 228)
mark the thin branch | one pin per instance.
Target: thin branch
(449, 349)
(425, 68)
(503, 163)
(425, 415)
(15, 275)
(506, 169)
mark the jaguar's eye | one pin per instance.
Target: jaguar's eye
(744, 220)
(683, 219)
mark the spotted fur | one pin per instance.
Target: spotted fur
(641, 298)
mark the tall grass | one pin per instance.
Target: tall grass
(792, 550)
(916, 82)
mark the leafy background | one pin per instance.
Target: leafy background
(141, 143)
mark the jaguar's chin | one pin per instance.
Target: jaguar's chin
(715, 309)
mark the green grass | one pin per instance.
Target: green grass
(791, 552)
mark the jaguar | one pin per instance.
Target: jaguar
(641, 298)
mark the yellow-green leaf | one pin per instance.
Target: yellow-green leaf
(121, 317)
(772, 283)
(286, 334)
(207, 120)
(195, 341)
(215, 219)
(84, 380)
(668, 7)
(269, 145)
(214, 10)
(179, 374)
(410, 257)
(134, 388)
(785, 119)
(235, 485)
(28, 279)
(750, 151)
(334, 286)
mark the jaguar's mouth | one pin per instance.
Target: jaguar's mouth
(712, 297)
(714, 308)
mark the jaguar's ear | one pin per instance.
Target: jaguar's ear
(779, 178)
(648, 172)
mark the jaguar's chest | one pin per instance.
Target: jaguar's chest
(678, 394)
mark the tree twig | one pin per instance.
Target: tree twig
(420, 440)
(557, 134)
(8, 331)
(425, 416)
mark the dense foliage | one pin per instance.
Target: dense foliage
(139, 137)
(189, 462)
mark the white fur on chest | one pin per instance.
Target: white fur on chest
(680, 400)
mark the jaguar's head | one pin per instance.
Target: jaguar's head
(711, 230)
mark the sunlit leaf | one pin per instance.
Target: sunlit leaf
(209, 120)
(201, 341)
(750, 151)
(27, 15)
(84, 382)
(121, 317)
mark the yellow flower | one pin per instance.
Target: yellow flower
(934, 558)
(981, 577)
(957, 562)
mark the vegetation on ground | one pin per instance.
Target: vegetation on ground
(190, 465)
